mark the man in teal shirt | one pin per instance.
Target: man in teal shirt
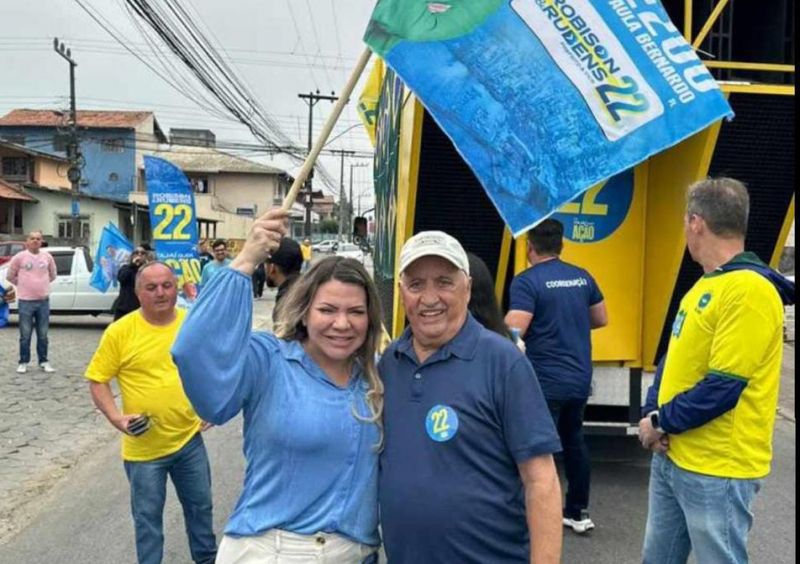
(221, 260)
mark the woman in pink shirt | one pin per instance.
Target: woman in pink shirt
(31, 271)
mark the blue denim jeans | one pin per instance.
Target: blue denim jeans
(191, 475)
(568, 418)
(693, 512)
(33, 313)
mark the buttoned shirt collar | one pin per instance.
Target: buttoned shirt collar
(463, 345)
(293, 350)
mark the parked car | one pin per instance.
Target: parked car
(327, 246)
(70, 292)
(351, 250)
(9, 248)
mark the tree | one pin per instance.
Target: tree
(329, 226)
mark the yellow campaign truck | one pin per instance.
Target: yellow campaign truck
(627, 231)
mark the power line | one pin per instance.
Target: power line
(43, 42)
(300, 42)
(182, 36)
(113, 32)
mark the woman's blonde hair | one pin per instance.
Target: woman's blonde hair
(294, 308)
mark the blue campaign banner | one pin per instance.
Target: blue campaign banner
(113, 251)
(546, 98)
(173, 219)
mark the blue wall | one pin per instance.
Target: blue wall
(97, 176)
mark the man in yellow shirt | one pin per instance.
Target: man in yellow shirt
(305, 248)
(710, 413)
(161, 431)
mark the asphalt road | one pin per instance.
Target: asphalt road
(83, 516)
(86, 518)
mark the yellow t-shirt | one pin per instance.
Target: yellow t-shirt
(306, 250)
(138, 355)
(730, 324)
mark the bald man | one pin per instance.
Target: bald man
(160, 430)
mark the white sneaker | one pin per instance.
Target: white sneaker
(47, 368)
(22, 368)
(580, 526)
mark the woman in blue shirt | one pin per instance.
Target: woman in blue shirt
(311, 400)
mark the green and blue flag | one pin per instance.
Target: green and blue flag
(546, 98)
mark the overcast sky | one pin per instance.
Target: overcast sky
(279, 48)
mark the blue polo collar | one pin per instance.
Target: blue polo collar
(464, 345)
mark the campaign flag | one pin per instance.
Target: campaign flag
(368, 101)
(113, 227)
(113, 251)
(173, 220)
(3, 307)
(546, 98)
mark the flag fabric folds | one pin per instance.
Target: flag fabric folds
(113, 251)
(545, 98)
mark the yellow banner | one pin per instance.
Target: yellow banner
(368, 101)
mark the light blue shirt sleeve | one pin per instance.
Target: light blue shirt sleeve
(218, 357)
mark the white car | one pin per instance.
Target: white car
(70, 292)
(327, 246)
(351, 250)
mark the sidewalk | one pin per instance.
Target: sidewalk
(47, 421)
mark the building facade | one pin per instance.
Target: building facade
(112, 143)
(35, 195)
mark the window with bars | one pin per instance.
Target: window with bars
(15, 168)
(64, 229)
(113, 145)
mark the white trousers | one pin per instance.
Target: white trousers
(281, 547)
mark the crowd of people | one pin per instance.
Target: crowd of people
(441, 446)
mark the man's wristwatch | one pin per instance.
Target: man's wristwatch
(653, 415)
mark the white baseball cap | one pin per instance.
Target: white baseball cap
(434, 243)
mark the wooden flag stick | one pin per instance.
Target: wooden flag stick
(344, 96)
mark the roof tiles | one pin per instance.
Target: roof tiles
(86, 118)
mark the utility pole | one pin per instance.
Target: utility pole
(350, 201)
(73, 148)
(311, 99)
(342, 201)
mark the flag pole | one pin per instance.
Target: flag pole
(344, 96)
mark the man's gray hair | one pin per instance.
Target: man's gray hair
(723, 203)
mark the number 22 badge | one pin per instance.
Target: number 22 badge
(441, 423)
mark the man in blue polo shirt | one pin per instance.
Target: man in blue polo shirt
(555, 306)
(467, 468)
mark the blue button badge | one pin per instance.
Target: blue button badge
(441, 423)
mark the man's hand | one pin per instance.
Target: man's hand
(264, 238)
(205, 426)
(652, 439)
(121, 421)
